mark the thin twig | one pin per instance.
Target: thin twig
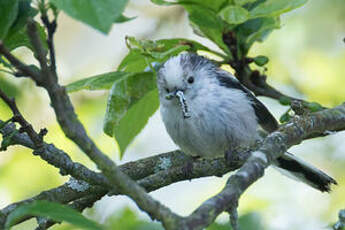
(17, 117)
(18, 64)
(51, 28)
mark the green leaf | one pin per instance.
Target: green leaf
(163, 3)
(243, 2)
(7, 141)
(261, 60)
(130, 104)
(122, 18)
(271, 8)
(98, 82)
(136, 119)
(234, 14)
(17, 35)
(214, 5)
(53, 211)
(20, 38)
(314, 107)
(285, 117)
(284, 100)
(9, 88)
(255, 30)
(24, 12)
(135, 61)
(208, 23)
(143, 53)
(98, 14)
(8, 12)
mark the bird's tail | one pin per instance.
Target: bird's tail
(302, 171)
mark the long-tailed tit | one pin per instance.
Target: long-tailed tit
(207, 112)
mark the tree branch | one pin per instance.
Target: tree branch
(274, 145)
(252, 79)
(165, 169)
(117, 182)
(74, 130)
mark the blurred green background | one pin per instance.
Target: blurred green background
(307, 60)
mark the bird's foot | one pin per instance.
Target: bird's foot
(187, 169)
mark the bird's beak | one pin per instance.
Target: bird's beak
(182, 100)
(170, 95)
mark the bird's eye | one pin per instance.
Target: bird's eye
(190, 80)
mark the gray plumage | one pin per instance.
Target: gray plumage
(222, 114)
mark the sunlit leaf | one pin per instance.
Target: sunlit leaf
(271, 8)
(134, 61)
(138, 58)
(130, 104)
(98, 82)
(53, 211)
(8, 14)
(98, 14)
(234, 14)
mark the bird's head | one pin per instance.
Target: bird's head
(182, 78)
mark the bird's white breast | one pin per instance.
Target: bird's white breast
(221, 119)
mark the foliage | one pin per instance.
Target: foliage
(98, 14)
(251, 20)
(54, 211)
(133, 96)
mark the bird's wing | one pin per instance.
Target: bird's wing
(265, 118)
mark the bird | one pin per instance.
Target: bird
(207, 112)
